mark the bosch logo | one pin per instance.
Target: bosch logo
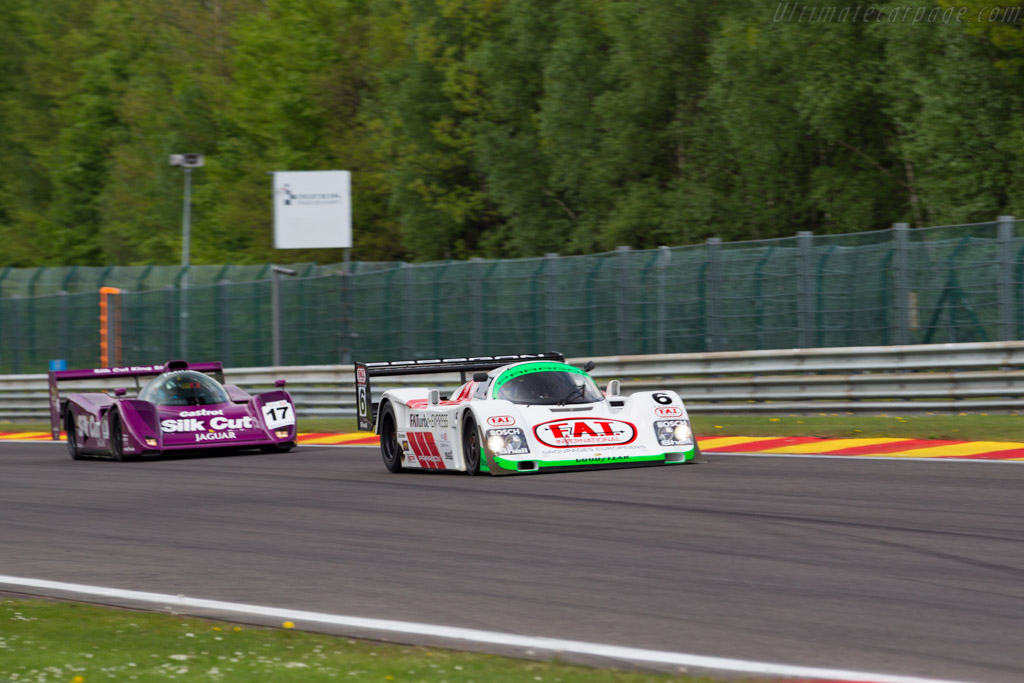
(361, 375)
(670, 411)
(585, 431)
(501, 420)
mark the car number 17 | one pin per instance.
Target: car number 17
(278, 414)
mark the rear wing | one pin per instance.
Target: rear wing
(133, 371)
(364, 371)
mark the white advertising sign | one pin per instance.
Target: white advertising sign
(312, 209)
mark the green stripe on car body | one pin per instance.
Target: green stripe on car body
(527, 368)
(507, 464)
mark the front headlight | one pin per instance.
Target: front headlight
(674, 432)
(507, 441)
(683, 433)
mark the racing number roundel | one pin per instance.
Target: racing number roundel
(576, 432)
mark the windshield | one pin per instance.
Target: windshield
(184, 388)
(548, 387)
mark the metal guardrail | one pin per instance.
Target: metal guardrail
(878, 379)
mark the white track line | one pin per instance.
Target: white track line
(472, 635)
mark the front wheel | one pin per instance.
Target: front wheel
(72, 436)
(116, 440)
(390, 450)
(471, 445)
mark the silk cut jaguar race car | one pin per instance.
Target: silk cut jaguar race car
(519, 414)
(184, 407)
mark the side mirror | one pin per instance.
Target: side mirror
(280, 383)
(434, 397)
(588, 366)
(479, 376)
(120, 391)
(613, 388)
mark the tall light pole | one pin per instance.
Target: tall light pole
(187, 163)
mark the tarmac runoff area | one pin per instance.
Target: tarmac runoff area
(796, 446)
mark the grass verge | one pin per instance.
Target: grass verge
(958, 427)
(52, 642)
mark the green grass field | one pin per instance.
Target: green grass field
(52, 642)
(957, 427)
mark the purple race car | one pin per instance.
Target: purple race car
(183, 408)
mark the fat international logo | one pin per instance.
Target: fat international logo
(668, 411)
(501, 420)
(584, 431)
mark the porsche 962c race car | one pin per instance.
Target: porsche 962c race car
(519, 414)
(184, 407)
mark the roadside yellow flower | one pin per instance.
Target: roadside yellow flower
(718, 426)
(288, 624)
(773, 419)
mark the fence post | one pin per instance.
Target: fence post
(224, 318)
(408, 312)
(624, 300)
(664, 260)
(16, 338)
(171, 323)
(901, 283)
(552, 309)
(63, 335)
(345, 332)
(713, 334)
(805, 289)
(1007, 324)
(475, 319)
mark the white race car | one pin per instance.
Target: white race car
(518, 414)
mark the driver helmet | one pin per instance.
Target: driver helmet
(179, 386)
(517, 389)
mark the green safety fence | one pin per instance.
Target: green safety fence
(895, 286)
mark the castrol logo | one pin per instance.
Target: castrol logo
(501, 421)
(584, 431)
(668, 411)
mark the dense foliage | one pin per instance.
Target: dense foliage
(499, 128)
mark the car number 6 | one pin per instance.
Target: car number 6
(663, 399)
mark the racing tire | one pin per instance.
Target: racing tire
(390, 450)
(116, 442)
(471, 446)
(72, 436)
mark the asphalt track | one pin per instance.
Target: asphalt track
(901, 567)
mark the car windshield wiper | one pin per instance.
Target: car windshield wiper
(573, 393)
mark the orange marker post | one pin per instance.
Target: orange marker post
(110, 326)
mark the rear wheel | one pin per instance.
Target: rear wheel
(471, 445)
(72, 436)
(390, 450)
